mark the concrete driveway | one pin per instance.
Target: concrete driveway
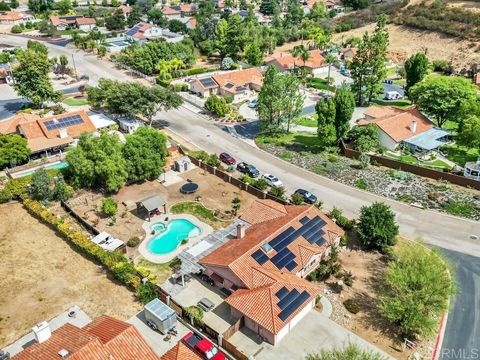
(154, 338)
(315, 332)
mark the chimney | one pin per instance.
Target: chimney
(240, 231)
(42, 332)
(413, 127)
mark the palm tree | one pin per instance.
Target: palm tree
(302, 52)
(330, 59)
(236, 205)
(163, 67)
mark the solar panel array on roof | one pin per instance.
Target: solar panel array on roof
(260, 257)
(294, 302)
(133, 31)
(63, 122)
(229, 85)
(281, 293)
(311, 230)
(206, 82)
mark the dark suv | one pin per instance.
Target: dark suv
(248, 169)
(307, 196)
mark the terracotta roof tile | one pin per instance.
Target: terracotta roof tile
(167, 10)
(236, 254)
(11, 16)
(287, 62)
(261, 304)
(180, 352)
(10, 126)
(239, 78)
(86, 21)
(397, 123)
(263, 210)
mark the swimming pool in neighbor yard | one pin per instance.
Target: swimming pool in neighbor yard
(58, 166)
(171, 235)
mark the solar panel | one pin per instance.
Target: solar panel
(132, 31)
(207, 82)
(304, 220)
(260, 257)
(281, 293)
(63, 122)
(288, 309)
(229, 85)
(280, 237)
(291, 265)
(287, 299)
(280, 255)
(281, 264)
(314, 234)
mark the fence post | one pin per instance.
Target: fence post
(168, 300)
(219, 339)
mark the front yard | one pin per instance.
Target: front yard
(42, 276)
(436, 164)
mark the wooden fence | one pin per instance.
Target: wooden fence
(414, 169)
(234, 328)
(232, 349)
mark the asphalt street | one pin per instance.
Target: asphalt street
(448, 232)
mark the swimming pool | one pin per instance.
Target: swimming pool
(170, 236)
(58, 166)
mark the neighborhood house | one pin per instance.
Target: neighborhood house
(405, 128)
(67, 22)
(145, 31)
(14, 18)
(284, 61)
(265, 265)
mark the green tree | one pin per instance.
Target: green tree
(145, 153)
(116, 21)
(318, 12)
(253, 54)
(416, 291)
(357, 4)
(217, 105)
(291, 99)
(377, 228)
(64, 6)
(330, 59)
(31, 77)
(156, 16)
(13, 150)
(109, 207)
(349, 352)
(62, 191)
(236, 203)
(345, 106)
(37, 46)
(416, 67)
(365, 138)
(469, 135)
(442, 97)
(40, 185)
(146, 292)
(326, 111)
(267, 7)
(268, 104)
(177, 26)
(97, 162)
(134, 18)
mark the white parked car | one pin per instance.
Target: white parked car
(272, 180)
(392, 95)
(252, 103)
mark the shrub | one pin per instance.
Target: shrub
(200, 155)
(278, 192)
(440, 65)
(364, 161)
(377, 228)
(348, 278)
(193, 313)
(260, 184)
(341, 220)
(227, 63)
(344, 240)
(184, 241)
(133, 241)
(351, 306)
(16, 29)
(109, 207)
(464, 208)
(146, 292)
(213, 160)
(247, 179)
(361, 184)
(5, 196)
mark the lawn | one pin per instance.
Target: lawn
(402, 104)
(307, 121)
(70, 32)
(295, 141)
(435, 164)
(161, 271)
(320, 84)
(460, 154)
(70, 101)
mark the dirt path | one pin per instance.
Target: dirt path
(410, 41)
(41, 276)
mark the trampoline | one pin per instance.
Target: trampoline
(189, 188)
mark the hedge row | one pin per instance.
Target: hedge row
(114, 262)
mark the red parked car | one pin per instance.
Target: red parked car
(202, 346)
(227, 159)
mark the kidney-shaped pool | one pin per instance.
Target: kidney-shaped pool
(171, 235)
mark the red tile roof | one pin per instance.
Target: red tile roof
(10, 126)
(12, 16)
(286, 61)
(167, 11)
(239, 78)
(105, 338)
(180, 352)
(261, 304)
(263, 210)
(397, 123)
(86, 21)
(126, 9)
(236, 253)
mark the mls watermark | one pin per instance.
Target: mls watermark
(459, 354)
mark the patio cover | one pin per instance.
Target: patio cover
(152, 203)
(429, 139)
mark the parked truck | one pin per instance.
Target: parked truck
(203, 347)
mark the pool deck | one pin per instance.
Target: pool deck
(205, 230)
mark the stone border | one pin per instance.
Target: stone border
(164, 258)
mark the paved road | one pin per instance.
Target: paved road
(462, 333)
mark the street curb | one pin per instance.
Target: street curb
(440, 336)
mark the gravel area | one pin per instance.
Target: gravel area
(383, 181)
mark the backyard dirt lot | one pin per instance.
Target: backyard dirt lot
(369, 267)
(41, 276)
(409, 41)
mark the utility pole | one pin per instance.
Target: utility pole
(74, 68)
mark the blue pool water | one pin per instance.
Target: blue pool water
(60, 165)
(170, 236)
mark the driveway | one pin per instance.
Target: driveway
(315, 332)
(154, 338)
